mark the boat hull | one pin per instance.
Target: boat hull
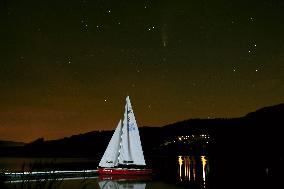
(124, 171)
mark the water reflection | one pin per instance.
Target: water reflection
(110, 184)
(123, 182)
(193, 169)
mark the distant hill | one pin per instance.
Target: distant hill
(256, 132)
(269, 112)
(4, 143)
(263, 125)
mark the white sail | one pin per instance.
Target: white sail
(110, 157)
(131, 150)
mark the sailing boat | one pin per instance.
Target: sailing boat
(124, 154)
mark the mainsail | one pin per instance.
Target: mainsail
(131, 150)
(124, 147)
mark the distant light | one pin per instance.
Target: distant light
(251, 19)
(105, 100)
(256, 70)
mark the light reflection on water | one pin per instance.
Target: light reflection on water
(193, 169)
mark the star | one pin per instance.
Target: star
(99, 27)
(69, 60)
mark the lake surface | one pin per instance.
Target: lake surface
(46, 164)
(174, 172)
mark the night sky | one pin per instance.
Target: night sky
(67, 66)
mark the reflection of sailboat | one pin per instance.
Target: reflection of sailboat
(126, 177)
(123, 181)
(124, 153)
(111, 184)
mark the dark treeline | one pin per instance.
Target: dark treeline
(238, 147)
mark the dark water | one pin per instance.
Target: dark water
(46, 164)
(95, 183)
(175, 172)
